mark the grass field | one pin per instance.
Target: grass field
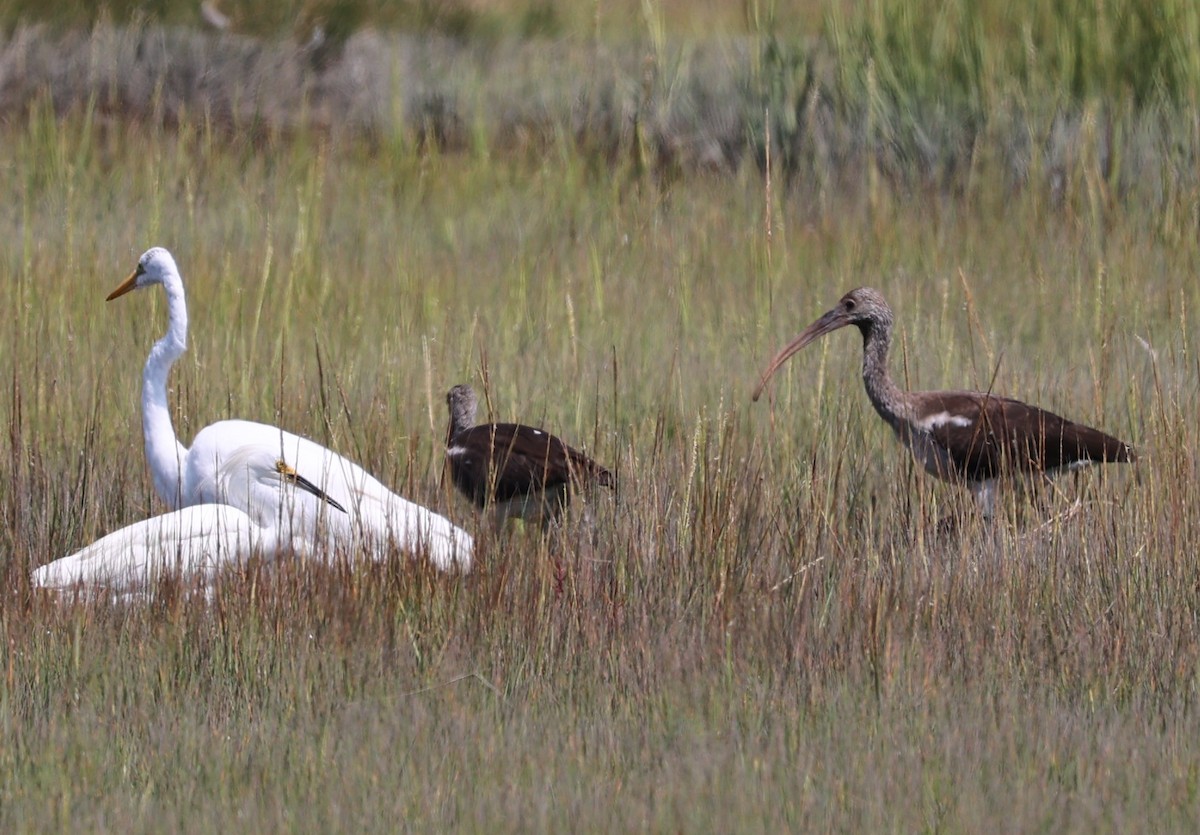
(766, 630)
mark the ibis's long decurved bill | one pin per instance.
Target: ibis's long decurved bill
(126, 285)
(831, 321)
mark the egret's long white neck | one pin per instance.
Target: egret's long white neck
(163, 450)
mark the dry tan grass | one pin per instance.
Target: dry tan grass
(766, 630)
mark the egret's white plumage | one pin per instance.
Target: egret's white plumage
(376, 519)
(194, 543)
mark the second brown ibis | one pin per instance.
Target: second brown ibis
(515, 469)
(968, 437)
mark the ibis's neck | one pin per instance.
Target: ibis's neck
(462, 416)
(163, 450)
(886, 396)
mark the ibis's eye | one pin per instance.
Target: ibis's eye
(849, 304)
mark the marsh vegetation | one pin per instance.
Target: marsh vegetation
(765, 629)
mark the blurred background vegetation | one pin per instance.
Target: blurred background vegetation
(607, 215)
(926, 91)
(966, 52)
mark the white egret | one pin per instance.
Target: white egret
(375, 519)
(194, 543)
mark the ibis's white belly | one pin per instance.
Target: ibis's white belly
(536, 506)
(931, 455)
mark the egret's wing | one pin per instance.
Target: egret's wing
(194, 541)
(375, 520)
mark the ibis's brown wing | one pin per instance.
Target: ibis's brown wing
(986, 436)
(502, 461)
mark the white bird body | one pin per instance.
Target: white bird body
(193, 543)
(197, 541)
(375, 519)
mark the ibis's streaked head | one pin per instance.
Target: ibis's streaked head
(153, 267)
(865, 308)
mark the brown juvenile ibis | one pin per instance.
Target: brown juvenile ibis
(516, 469)
(969, 437)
